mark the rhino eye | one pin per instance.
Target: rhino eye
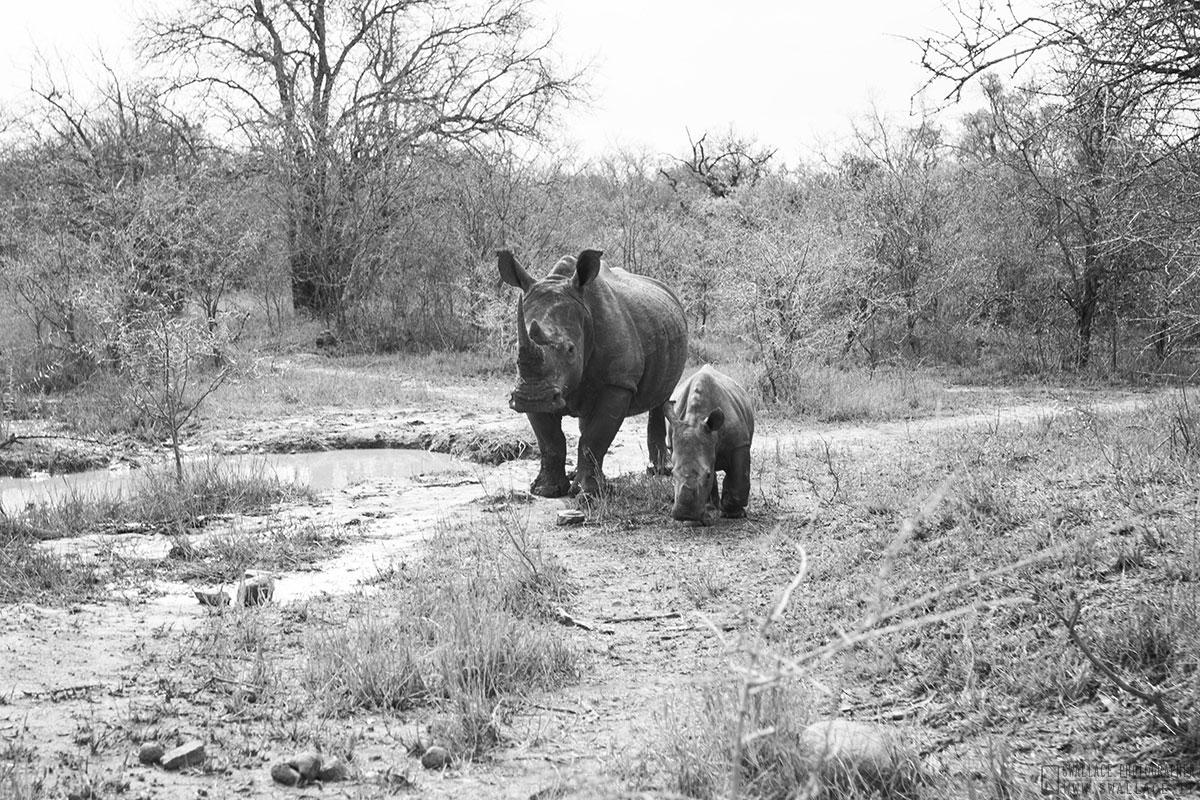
(570, 347)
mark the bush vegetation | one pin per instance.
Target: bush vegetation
(1045, 232)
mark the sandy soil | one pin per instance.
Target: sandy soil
(76, 683)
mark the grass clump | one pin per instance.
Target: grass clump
(849, 395)
(631, 501)
(697, 754)
(463, 633)
(31, 574)
(228, 555)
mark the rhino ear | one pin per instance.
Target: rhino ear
(715, 420)
(587, 266)
(511, 272)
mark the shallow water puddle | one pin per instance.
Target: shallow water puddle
(320, 471)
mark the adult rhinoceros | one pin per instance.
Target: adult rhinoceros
(597, 343)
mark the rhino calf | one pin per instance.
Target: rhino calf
(712, 425)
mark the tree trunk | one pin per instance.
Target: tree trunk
(1113, 343)
(313, 240)
(1086, 306)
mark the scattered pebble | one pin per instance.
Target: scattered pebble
(255, 590)
(308, 764)
(150, 753)
(309, 767)
(436, 758)
(849, 753)
(570, 516)
(333, 769)
(186, 755)
(283, 773)
(211, 597)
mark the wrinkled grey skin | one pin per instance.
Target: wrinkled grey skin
(596, 343)
(712, 427)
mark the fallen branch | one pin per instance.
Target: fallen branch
(895, 713)
(15, 439)
(1155, 699)
(563, 618)
(556, 709)
(642, 617)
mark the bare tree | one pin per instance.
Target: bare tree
(1153, 43)
(721, 166)
(344, 93)
(166, 361)
(896, 177)
(1090, 174)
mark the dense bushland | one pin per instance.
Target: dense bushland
(1049, 230)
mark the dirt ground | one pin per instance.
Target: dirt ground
(80, 685)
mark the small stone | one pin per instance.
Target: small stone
(150, 752)
(436, 758)
(83, 791)
(186, 755)
(333, 769)
(570, 516)
(308, 764)
(283, 773)
(255, 590)
(861, 755)
(211, 597)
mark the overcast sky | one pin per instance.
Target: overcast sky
(793, 75)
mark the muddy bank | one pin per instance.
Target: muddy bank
(482, 446)
(29, 450)
(35, 448)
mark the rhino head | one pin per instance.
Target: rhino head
(554, 331)
(693, 463)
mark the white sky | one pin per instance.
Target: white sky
(789, 73)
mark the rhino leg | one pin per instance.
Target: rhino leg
(656, 443)
(551, 480)
(597, 429)
(737, 484)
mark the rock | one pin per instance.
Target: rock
(308, 764)
(854, 756)
(333, 769)
(436, 758)
(82, 791)
(211, 597)
(254, 590)
(150, 752)
(283, 773)
(570, 516)
(186, 755)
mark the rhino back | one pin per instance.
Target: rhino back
(640, 335)
(708, 389)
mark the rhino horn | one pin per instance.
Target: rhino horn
(536, 333)
(522, 334)
(529, 353)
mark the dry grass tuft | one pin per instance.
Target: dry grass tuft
(464, 632)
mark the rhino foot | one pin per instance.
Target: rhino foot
(549, 487)
(663, 469)
(733, 513)
(591, 488)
